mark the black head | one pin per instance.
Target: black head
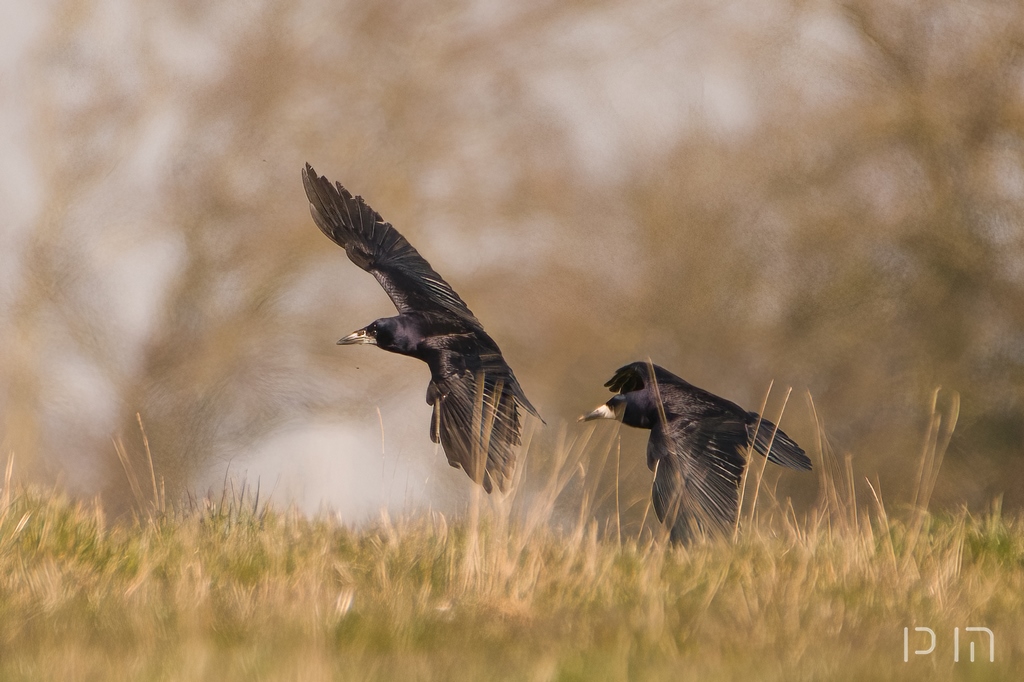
(635, 408)
(395, 334)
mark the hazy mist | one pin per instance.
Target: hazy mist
(827, 195)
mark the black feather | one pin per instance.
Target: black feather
(697, 447)
(378, 248)
(474, 392)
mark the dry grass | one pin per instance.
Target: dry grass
(231, 589)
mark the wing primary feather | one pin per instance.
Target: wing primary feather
(377, 247)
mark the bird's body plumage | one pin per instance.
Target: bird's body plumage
(697, 445)
(474, 393)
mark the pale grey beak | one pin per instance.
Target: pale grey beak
(603, 412)
(358, 337)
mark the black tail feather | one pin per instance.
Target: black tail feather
(785, 451)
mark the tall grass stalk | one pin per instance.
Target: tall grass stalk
(516, 587)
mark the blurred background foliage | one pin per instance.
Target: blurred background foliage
(827, 194)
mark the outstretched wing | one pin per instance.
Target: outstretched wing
(378, 248)
(698, 472)
(477, 423)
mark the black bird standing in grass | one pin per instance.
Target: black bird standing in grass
(697, 446)
(472, 389)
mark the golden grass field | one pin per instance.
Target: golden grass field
(233, 589)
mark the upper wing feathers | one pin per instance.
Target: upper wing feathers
(631, 377)
(636, 375)
(378, 248)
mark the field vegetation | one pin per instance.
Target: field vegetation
(509, 589)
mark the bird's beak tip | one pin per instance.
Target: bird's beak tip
(357, 337)
(602, 412)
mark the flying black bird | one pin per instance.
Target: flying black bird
(472, 389)
(697, 446)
